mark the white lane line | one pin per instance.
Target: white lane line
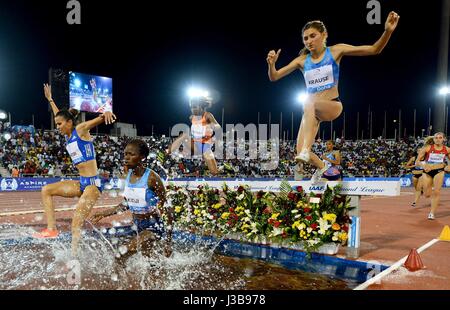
(42, 211)
(395, 266)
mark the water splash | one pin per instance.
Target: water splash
(48, 264)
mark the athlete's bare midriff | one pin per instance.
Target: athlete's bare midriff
(88, 169)
(327, 94)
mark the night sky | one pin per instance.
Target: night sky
(153, 55)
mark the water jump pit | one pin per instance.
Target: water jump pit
(198, 263)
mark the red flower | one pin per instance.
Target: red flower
(216, 192)
(309, 217)
(291, 196)
(319, 195)
(259, 194)
(229, 223)
(299, 189)
(345, 228)
(240, 189)
(314, 226)
(284, 234)
(231, 209)
(267, 210)
(307, 210)
(277, 224)
(270, 221)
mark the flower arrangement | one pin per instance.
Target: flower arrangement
(291, 217)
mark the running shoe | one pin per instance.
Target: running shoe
(318, 174)
(303, 156)
(46, 233)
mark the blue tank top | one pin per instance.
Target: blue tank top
(322, 75)
(140, 198)
(332, 170)
(80, 150)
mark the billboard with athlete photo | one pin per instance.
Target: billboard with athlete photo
(90, 93)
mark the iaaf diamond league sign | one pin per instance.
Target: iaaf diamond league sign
(356, 188)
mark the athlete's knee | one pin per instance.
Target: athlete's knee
(47, 190)
(436, 192)
(309, 107)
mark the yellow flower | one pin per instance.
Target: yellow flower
(296, 224)
(244, 226)
(199, 221)
(239, 209)
(329, 217)
(217, 205)
(197, 212)
(343, 236)
(336, 226)
(225, 215)
(274, 216)
(177, 209)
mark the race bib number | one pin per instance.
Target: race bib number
(74, 151)
(436, 158)
(198, 131)
(135, 197)
(319, 77)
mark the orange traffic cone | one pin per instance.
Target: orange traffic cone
(413, 262)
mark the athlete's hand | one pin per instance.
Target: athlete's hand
(109, 117)
(447, 168)
(272, 57)
(48, 92)
(426, 168)
(391, 21)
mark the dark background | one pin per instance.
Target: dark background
(154, 53)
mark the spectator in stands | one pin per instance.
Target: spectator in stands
(15, 172)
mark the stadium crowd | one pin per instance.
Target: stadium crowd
(42, 153)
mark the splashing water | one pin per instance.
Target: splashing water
(47, 264)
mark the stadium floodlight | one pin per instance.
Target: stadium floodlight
(7, 136)
(3, 115)
(444, 91)
(77, 83)
(194, 92)
(302, 97)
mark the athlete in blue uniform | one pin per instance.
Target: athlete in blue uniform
(81, 150)
(144, 196)
(320, 66)
(332, 160)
